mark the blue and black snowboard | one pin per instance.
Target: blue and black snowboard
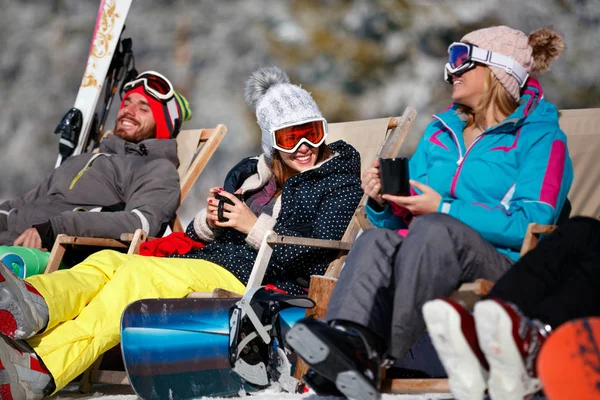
(178, 348)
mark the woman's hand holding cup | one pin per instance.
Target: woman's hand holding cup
(371, 183)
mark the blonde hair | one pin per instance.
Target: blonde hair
(282, 172)
(494, 97)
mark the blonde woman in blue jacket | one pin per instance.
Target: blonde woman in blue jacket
(485, 168)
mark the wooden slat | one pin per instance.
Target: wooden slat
(532, 236)
(394, 143)
(176, 225)
(361, 217)
(225, 294)
(319, 290)
(470, 293)
(139, 237)
(540, 229)
(88, 241)
(110, 377)
(56, 254)
(410, 386)
(262, 261)
(480, 287)
(200, 295)
(215, 137)
(302, 241)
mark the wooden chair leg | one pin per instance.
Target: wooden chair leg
(85, 384)
(409, 386)
(56, 255)
(320, 290)
(139, 237)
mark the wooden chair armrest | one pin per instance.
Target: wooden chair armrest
(218, 293)
(541, 229)
(90, 241)
(480, 287)
(532, 236)
(275, 239)
(410, 386)
(130, 241)
(361, 217)
(470, 293)
(62, 241)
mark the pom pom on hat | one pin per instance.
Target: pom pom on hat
(534, 52)
(277, 102)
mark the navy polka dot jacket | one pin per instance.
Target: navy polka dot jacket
(318, 203)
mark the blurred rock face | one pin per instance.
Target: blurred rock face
(360, 60)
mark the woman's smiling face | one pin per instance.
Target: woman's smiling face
(302, 159)
(468, 88)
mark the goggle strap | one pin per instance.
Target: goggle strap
(508, 64)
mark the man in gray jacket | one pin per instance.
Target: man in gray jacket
(132, 181)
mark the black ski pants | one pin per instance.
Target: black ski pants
(559, 280)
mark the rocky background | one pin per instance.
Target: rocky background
(360, 59)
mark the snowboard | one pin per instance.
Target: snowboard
(178, 348)
(569, 361)
(109, 25)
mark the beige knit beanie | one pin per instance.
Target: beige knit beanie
(534, 52)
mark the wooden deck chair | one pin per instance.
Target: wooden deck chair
(582, 128)
(381, 138)
(194, 148)
(368, 138)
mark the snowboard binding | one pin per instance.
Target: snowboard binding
(257, 350)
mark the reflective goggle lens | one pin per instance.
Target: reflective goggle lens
(458, 54)
(287, 138)
(157, 83)
(154, 84)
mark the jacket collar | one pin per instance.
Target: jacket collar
(531, 96)
(151, 148)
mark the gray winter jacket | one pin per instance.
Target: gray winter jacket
(137, 183)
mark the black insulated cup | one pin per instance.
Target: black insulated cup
(394, 176)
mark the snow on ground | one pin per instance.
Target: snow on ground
(119, 393)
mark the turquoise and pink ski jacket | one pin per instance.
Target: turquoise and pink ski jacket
(516, 172)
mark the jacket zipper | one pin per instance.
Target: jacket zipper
(85, 168)
(460, 164)
(461, 158)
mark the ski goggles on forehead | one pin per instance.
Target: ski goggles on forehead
(289, 138)
(463, 57)
(154, 84)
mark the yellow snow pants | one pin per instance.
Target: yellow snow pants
(86, 302)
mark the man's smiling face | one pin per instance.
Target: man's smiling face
(135, 121)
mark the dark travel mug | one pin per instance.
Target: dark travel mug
(222, 201)
(394, 176)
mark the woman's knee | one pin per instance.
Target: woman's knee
(371, 237)
(581, 226)
(434, 225)
(135, 266)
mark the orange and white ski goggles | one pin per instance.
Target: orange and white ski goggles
(289, 138)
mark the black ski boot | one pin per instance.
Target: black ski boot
(346, 354)
(257, 351)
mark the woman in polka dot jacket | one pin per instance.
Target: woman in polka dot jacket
(310, 192)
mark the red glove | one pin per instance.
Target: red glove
(175, 243)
